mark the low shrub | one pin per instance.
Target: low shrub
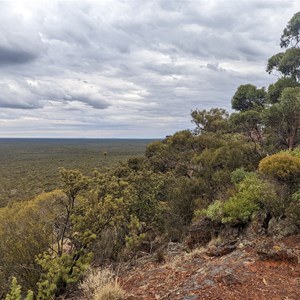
(252, 194)
(281, 166)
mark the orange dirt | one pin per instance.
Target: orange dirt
(242, 274)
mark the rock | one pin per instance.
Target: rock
(276, 251)
(222, 249)
(229, 279)
(282, 228)
(258, 226)
(231, 232)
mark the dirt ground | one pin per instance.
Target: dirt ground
(261, 269)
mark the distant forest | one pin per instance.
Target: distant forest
(229, 169)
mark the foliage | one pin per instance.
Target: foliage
(215, 211)
(124, 202)
(60, 271)
(252, 193)
(249, 97)
(291, 34)
(214, 120)
(15, 292)
(284, 117)
(250, 124)
(275, 90)
(66, 262)
(293, 210)
(238, 175)
(25, 231)
(29, 166)
(110, 215)
(181, 196)
(288, 63)
(281, 166)
(222, 155)
(238, 210)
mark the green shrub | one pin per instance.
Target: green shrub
(293, 211)
(15, 292)
(25, 231)
(252, 193)
(215, 211)
(238, 175)
(239, 209)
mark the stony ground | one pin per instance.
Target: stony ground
(248, 270)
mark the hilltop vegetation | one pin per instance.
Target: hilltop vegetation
(229, 171)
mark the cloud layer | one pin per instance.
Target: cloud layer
(129, 68)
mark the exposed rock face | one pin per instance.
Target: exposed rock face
(222, 249)
(255, 270)
(279, 228)
(273, 250)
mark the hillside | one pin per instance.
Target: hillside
(257, 269)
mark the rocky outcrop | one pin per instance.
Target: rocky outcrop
(254, 269)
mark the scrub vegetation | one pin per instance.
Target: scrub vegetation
(30, 166)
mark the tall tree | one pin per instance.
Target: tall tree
(291, 34)
(275, 89)
(283, 118)
(249, 97)
(213, 121)
(288, 63)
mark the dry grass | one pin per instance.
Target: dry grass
(101, 284)
(111, 291)
(215, 241)
(197, 252)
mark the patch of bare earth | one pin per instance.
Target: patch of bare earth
(260, 269)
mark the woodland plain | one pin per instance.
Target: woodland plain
(31, 166)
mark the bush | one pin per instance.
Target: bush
(215, 211)
(293, 211)
(252, 194)
(15, 292)
(281, 166)
(26, 231)
(239, 209)
(238, 175)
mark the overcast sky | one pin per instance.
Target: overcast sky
(132, 68)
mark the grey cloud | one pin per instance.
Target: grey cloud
(14, 96)
(15, 56)
(95, 103)
(102, 64)
(16, 104)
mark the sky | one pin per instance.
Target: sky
(131, 68)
